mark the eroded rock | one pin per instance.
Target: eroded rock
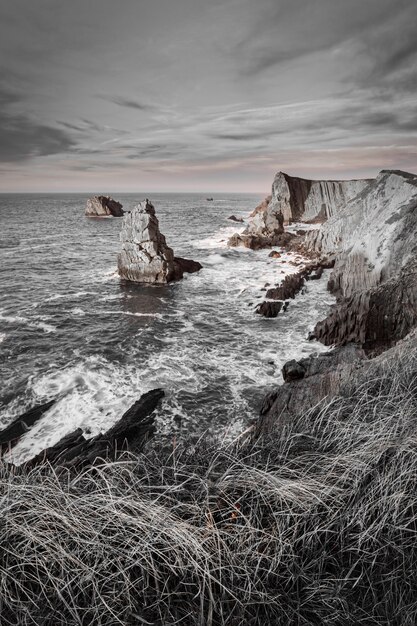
(102, 206)
(145, 256)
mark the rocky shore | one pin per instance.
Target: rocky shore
(371, 240)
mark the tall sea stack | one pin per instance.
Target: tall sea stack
(145, 255)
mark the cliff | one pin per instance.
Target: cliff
(145, 256)
(102, 206)
(295, 200)
(302, 200)
(373, 241)
(374, 278)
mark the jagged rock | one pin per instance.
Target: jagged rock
(145, 255)
(269, 309)
(131, 432)
(10, 436)
(289, 287)
(374, 276)
(261, 207)
(100, 206)
(233, 218)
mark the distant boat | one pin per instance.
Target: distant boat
(209, 199)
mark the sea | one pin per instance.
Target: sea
(72, 331)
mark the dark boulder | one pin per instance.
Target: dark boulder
(269, 309)
(233, 218)
(186, 265)
(293, 370)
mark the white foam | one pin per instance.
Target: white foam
(219, 239)
(37, 323)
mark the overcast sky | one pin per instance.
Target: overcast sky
(204, 95)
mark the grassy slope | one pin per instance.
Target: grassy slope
(317, 526)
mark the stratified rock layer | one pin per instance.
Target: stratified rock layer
(375, 273)
(305, 200)
(145, 255)
(295, 199)
(102, 206)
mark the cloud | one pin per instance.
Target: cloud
(21, 137)
(289, 30)
(130, 104)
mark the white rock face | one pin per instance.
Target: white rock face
(373, 235)
(145, 255)
(300, 199)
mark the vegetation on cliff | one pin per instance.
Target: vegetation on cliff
(315, 525)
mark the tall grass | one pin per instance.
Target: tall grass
(315, 526)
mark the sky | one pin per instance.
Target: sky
(204, 95)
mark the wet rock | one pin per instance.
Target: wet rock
(274, 254)
(258, 242)
(233, 218)
(269, 309)
(289, 287)
(131, 432)
(293, 370)
(10, 436)
(145, 256)
(186, 265)
(316, 275)
(100, 206)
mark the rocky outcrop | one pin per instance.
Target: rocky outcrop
(288, 289)
(233, 218)
(307, 383)
(374, 277)
(145, 255)
(131, 432)
(295, 199)
(10, 436)
(305, 200)
(102, 206)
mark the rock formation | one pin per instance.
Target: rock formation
(145, 255)
(374, 278)
(295, 199)
(374, 244)
(102, 206)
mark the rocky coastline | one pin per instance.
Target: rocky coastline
(370, 240)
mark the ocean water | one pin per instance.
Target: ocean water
(71, 329)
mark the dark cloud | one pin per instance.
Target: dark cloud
(80, 129)
(130, 104)
(21, 137)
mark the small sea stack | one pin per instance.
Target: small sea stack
(103, 206)
(145, 255)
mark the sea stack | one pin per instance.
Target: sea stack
(145, 255)
(103, 206)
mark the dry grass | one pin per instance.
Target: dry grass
(317, 526)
